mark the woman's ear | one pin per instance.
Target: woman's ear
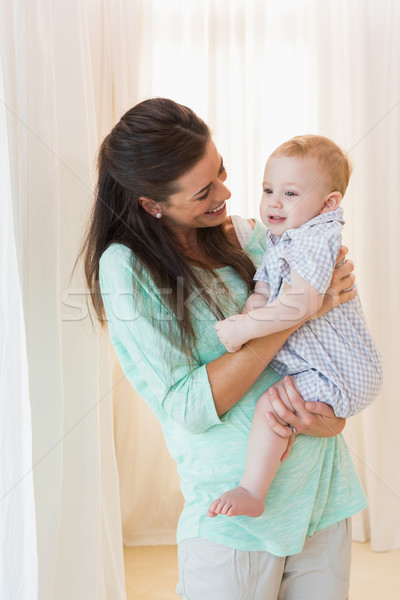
(150, 206)
(332, 201)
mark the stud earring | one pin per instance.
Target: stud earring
(158, 215)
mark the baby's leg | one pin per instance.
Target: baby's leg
(264, 453)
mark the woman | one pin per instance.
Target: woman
(170, 264)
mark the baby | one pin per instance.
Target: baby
(333, 359)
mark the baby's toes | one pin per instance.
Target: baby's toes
(226, 508)
(213, 508)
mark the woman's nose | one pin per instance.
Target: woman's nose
(224, 192)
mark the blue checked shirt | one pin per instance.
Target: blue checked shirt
(333, 359)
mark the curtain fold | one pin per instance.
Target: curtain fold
(53, 139)
(18, 564)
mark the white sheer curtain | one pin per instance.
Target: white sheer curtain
(259, 72)
(18, 566)
(52, 139)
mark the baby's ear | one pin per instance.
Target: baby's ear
(332, 201)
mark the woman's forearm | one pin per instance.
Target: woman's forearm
(232, 375)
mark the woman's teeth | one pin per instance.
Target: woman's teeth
(216, 209)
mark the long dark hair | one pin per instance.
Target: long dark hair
(153, 144)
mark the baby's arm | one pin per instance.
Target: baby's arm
(259, 298)
(294, 306)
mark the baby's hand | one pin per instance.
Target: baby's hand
(232, 332)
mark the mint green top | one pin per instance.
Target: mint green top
(314, 488)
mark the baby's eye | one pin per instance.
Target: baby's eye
(267, 191)
(290, 193)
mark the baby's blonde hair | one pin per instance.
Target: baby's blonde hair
(335, 163)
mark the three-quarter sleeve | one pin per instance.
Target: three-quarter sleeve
(145, 337)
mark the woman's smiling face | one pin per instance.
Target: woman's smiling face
(201, 199)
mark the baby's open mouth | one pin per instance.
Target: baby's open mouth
(275, 219)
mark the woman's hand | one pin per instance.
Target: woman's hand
(310, 418)
(342, 281)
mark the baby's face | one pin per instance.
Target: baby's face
(294, 191)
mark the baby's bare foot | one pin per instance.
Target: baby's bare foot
(236, 502)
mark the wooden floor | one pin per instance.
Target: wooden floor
(151, 573)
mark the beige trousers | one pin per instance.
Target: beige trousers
(210, 571)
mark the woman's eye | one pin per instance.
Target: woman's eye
(204, 196)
